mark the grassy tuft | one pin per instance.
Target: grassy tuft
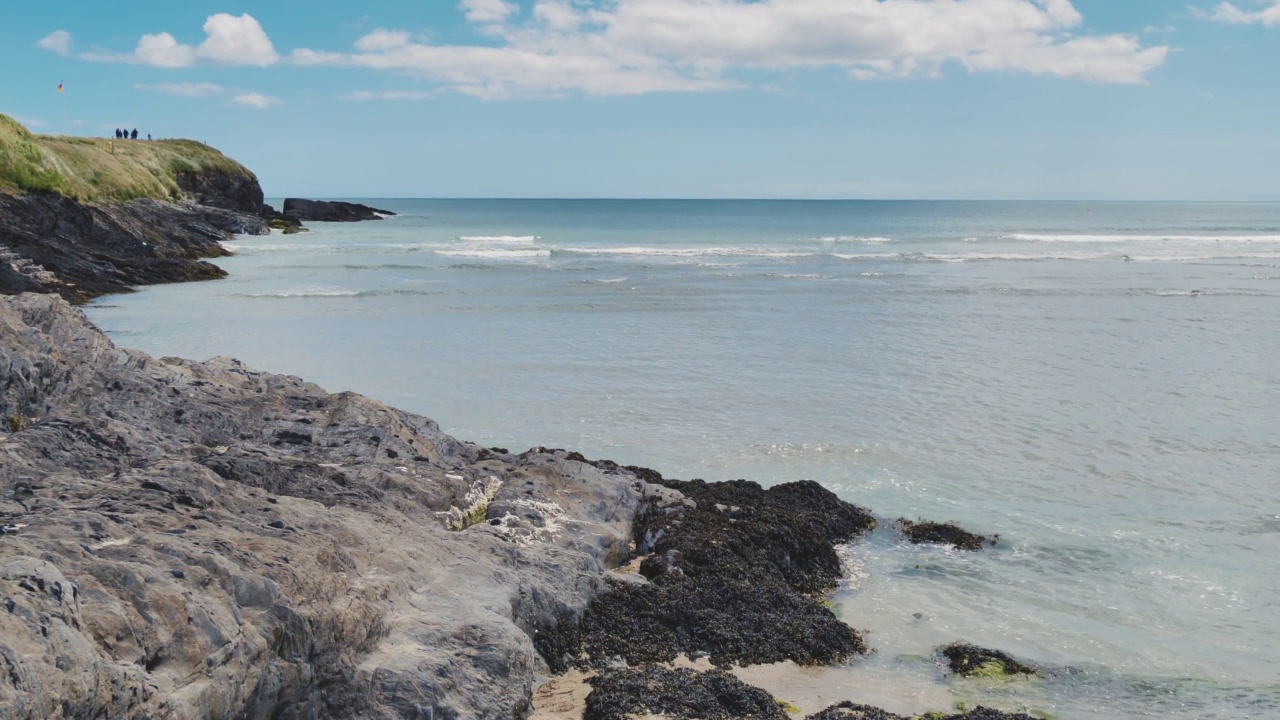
(85, 168)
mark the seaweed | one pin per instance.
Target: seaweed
(677, 694)
(736, 578)
(972, 661)
(923, 532)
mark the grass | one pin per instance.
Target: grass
(86, 169)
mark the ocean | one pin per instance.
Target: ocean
(1098, 383)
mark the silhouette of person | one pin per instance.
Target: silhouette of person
(135, 134)
(117, 133)
(148, 136)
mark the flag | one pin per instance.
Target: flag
(59, 87)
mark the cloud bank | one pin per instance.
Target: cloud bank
(628, 47)
(1228, 13)
(632, 47)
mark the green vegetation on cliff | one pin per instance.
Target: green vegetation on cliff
(87, 170)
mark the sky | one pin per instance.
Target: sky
(929, 99)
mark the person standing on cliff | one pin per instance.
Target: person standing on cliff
(135, 134)
(117, 133)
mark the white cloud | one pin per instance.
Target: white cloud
(1228, 13)
(488, 11)
(382, 40)
(364, 95)
(627, 47)
(256, 100)
(229, 40)
(236, 41)
(58, 41)
(162, 50)
(1159, 29)
(194, 90)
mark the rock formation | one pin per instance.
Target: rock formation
(331, 211)
(50, 243)
(200, 540)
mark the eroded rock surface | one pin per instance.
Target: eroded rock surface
(53, 244)
(202, 540)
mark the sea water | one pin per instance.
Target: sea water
(1099, 383)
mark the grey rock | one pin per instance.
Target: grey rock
(147, 581)
(50, 243)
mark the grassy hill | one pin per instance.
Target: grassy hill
(87, 170)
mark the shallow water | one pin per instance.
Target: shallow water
(1096, 383)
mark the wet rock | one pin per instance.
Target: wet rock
(973, 661)
(853, 711)
(330, 211)
(677, 694)
(986, 713)
(50, 243)
(923, 532)
(734, 572)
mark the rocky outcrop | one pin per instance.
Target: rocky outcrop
(223, 190)
(685, 694)
(201, 540)
(973, 661)
(853, 711)
(50, 243)
(677, 693)
(925, 533)
(733, 572)
(331, 211)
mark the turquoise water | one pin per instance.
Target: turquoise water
(1097, 383)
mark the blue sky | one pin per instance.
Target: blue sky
(1087, 99)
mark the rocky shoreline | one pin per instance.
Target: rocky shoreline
(189, 539)
(202, 540)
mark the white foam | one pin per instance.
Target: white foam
(855, 239)
(1139, 238)
(496, 253)
(1040, 257)
(500, 239)
(685, 252)
(305, 293)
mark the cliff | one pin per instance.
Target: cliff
(82, 221)
(88, 170)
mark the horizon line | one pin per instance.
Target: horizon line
(768, 199)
